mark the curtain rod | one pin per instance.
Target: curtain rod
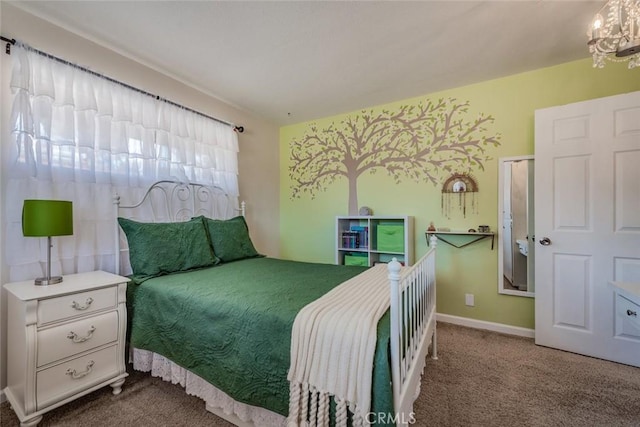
(10, 42)
(7, 49)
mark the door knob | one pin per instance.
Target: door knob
(545, 241)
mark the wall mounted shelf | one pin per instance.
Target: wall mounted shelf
(474, 237)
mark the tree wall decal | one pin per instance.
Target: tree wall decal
(418, 142)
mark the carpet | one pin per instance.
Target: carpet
(481, 378)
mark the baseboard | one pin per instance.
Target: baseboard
(490, 326)
(3, 397)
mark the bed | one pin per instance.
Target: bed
(227, 329)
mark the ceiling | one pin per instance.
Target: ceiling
(295, 61)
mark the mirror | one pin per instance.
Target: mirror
(459, 187)
(516, 251)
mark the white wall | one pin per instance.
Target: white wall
(258, 158)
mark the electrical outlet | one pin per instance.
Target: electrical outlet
(469, 300)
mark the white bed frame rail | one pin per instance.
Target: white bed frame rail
(413, 328)
(174, 201)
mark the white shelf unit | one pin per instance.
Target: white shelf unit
(369, 232)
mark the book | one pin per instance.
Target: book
(363, 235)
(350, 239)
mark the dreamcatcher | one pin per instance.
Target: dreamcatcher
(459, 191)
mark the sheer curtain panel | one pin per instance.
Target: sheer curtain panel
(80, 137)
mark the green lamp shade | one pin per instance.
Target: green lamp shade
(44, 218)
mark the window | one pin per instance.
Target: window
(81, 137)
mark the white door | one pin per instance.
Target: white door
(587, 222)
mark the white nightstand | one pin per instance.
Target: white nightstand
(627, 310)
(64, 341)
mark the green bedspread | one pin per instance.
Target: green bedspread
(231, 325)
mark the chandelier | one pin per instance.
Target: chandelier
(615, 33)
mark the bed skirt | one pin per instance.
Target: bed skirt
(215, 399)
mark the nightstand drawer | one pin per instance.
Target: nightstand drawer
(627, 318)
(63, 380)
(76, 337)
(67, 306)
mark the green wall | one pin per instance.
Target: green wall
(307, 224)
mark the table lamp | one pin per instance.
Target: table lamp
(47, 218)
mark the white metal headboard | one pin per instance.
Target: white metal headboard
(174, 201)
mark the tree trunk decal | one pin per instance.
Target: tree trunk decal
(418, 142)
(353, 195)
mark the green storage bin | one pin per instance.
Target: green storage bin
(356, 259)
(390, 238)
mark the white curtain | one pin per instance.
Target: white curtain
(81, 137)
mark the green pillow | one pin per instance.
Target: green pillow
(230, 239)
(160, 248)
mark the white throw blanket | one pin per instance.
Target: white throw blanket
(333, 343)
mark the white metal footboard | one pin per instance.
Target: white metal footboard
(413, 328)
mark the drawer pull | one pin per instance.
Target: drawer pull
(77, 375)
(86, 305)
(632, 313)
(76, 339)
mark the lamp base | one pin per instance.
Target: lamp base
(44, 281)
